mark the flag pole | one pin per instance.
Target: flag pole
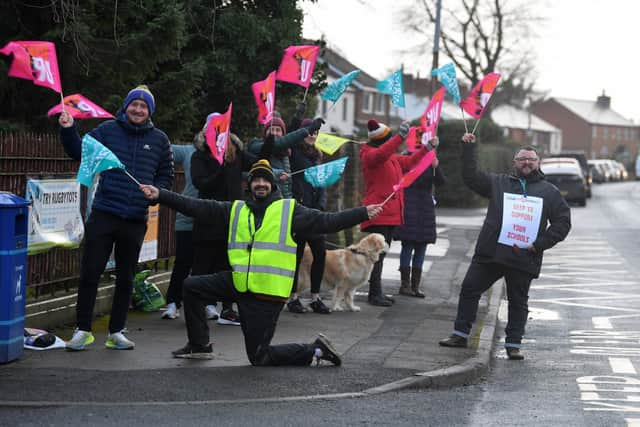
(305, 94)
(466, 129)
(475, 126)
(387, 199)
(131, 176)
(62, 101)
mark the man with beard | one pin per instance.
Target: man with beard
(494, 257)
(262, 254)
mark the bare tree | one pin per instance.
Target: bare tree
(482, 36)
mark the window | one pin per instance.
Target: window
(345, 108)
(605, 133)
(366, 102)
(380, 104)
(594, 132)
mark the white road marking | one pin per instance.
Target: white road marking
(621, 365)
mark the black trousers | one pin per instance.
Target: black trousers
(209, 257)
(318, 250)
(258, 320)
(479, 278)
(181, 266)
(104, 232)
(375, 278)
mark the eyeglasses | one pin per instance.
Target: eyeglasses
(526, 159)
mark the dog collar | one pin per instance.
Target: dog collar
(355, 251)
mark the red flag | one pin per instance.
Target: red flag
(431, 117)
(264, 93)
(36, 61)
(218, 132)
(412, 139)
(417, 170)
(297, 64)
(480, 95)
(80, 108)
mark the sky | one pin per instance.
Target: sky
(582, 48)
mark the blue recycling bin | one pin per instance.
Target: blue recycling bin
(14, 214)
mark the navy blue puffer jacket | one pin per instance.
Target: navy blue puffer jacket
(146, 153)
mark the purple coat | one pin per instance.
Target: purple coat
(419, 211)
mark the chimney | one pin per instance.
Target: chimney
(604, 101)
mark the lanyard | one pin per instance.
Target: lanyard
(523, 184)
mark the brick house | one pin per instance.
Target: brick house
(592, 126)
(525, 127)
(360, 102)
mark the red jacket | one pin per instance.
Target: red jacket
(383, 168)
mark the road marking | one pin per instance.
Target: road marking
(621, 365)
(633, 422)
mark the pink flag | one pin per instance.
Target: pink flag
(412, 139)
(297, 64)
(36, 61)
(264, 93)
(431, 117)
(480, 95)
(80, 108)
(417, 170)
(218, 132)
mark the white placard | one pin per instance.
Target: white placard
(520, 220)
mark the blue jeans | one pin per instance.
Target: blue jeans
(418, 249)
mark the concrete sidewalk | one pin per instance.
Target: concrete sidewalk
(383, 349)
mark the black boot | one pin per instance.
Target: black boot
(405, 281)
(375, 295)
(416, 277)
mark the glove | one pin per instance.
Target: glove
(315, 126)
(300, 109)
(403, 130)
(267, 147)
(432, 144)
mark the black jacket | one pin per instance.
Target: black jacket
(555, 221)
(218, 182)
(305, 220)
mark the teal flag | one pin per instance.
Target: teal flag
(95, 159)
(447, 76)
(325, 174)
(337, 88)
(393, 86)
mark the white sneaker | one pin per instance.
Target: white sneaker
(171, 312)
(80, 340)
(212, 313)
(118, 341)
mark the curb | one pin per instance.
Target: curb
(463, 373)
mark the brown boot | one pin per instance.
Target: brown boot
(416, 277)
(405, 281)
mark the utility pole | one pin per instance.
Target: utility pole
(436, 45)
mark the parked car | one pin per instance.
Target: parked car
(622, 170)
(566, 174)
(599, 172)
(584, 165)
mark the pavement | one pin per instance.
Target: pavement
(383, 349)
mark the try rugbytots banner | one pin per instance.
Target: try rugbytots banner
(54, 214)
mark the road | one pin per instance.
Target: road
(582, 347)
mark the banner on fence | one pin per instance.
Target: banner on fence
(54, 214)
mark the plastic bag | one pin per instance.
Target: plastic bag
(146, 296)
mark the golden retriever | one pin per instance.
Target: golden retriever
(345, 270)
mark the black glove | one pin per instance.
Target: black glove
(300, 109)
(403, 130)
(267, 147)
(315, 126)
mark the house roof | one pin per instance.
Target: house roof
(592, 113)
(507, 116)
(339, 66)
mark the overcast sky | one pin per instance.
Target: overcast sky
(583, 48)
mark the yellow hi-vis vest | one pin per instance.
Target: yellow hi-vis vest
(264, 260)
